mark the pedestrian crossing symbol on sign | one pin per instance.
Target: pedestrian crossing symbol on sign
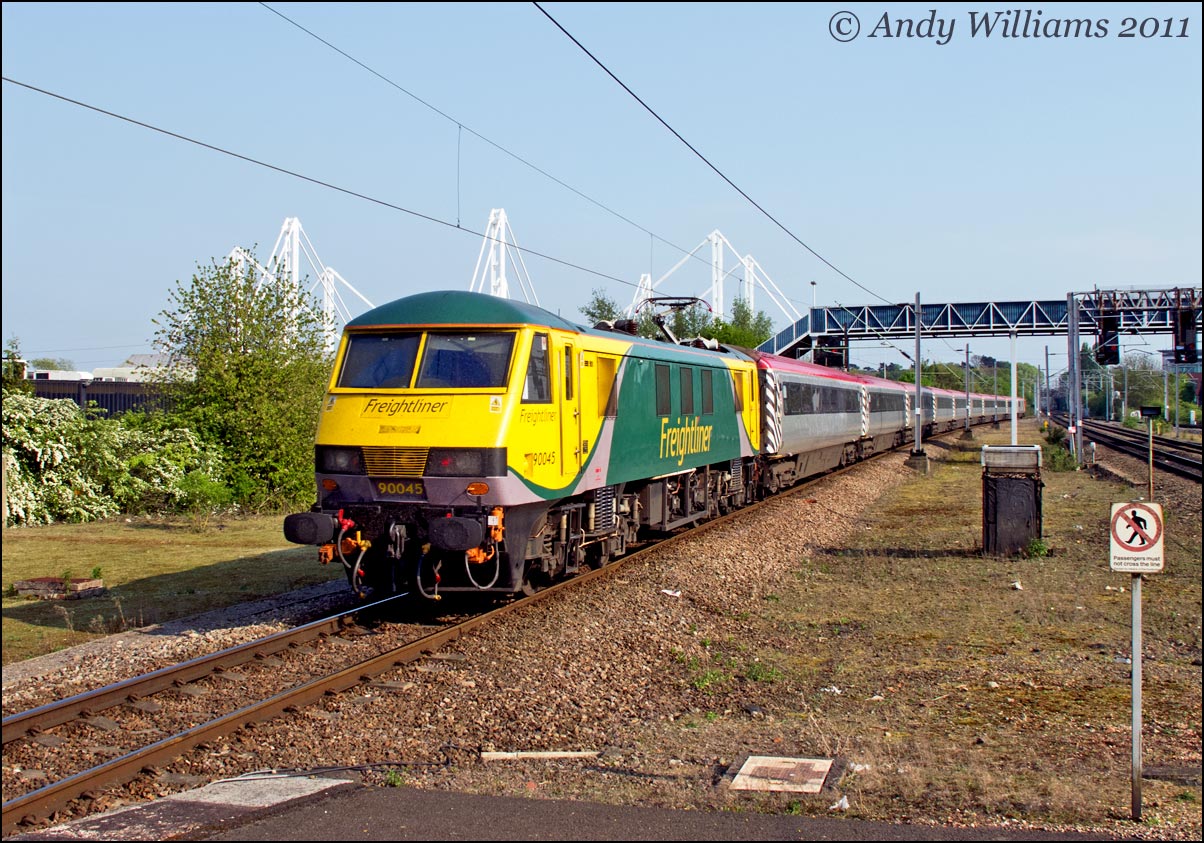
(1136, 536)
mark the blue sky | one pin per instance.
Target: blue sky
(978, 169)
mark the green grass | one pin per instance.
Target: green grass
(155, 570)
(956, 655)
(903, 649)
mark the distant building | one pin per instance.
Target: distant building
(33, 374)
(138, 368)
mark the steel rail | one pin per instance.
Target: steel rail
(1173, 462)
(87, 703)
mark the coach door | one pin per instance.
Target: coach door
(570, 411)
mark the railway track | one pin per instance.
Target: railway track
(1175, 456)
(232, 668)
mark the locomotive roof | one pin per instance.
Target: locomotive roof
(458, 307)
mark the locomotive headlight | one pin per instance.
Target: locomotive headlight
(340, 460)
(466, 462)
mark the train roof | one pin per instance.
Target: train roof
(789, 364)
(458, 307)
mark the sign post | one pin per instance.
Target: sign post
(1149, 414)
(1137, 543)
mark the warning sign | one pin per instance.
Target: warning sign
(1136, 535)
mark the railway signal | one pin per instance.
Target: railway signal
(1107, 349)
(1185, 336)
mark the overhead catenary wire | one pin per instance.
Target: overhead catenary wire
(705, 160)
(461, 127)
(312, 180)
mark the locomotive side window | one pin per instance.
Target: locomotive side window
(568, 373)
(465, 361)
(538, 387)
(663, 398)
(687, 391)
(379, 361)
(608, 393)
(708, 393)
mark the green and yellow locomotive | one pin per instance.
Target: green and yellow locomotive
(471, 443)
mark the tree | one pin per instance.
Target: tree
(744, 329)
(55, 364)
(14, 368)
(248, 371)
(690, 322)
(600, 308)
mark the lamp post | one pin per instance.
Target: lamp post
(812, 295)
(966, 433)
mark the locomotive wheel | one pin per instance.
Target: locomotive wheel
(533, 581)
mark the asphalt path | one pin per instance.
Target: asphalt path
(360, 813)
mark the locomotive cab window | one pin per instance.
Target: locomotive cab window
(708, 393)
(465, 361)
(379, 361)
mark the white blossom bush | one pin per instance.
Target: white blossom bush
(61, 464)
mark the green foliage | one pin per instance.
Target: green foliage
(744, 330)
(62, 464)
(56, 364)
(758, 672)
(1036, 549)
(14, 369)
(707, 678)
(200, 494)
(393, 779)
(601, 307)
(249, 368)
(97, 572)
(692, 321)
(1057, 458)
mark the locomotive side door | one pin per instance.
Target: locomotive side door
(570, 411)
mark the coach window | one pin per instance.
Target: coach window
(687, 391)
(796, 403)
(708, 393)
(663, 397)
(537, 388)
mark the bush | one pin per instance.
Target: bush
(1057, 458)
(201, 494)
(62, 464)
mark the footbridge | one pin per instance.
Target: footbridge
(1131, 311)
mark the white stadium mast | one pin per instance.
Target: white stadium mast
(754, 276)
(502, 252)
(285, 263)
